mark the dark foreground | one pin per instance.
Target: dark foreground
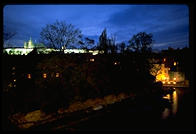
(128, 115)
(132, 117)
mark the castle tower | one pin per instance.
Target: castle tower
(25, 45)
(30, 44)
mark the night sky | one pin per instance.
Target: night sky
(169, 24)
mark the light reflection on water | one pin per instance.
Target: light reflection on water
(171, 111)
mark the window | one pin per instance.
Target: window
(13, 68)
(92, 60)
(29, 76)
(44, 75)
(57, 74)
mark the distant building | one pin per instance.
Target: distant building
(168, 74)
(29, 46)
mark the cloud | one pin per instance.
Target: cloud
(166, 22)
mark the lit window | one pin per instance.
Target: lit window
(115, 63)
(163, 82)
(29, 76)
(14, 80)
(174, 78)
(57, 74)
(10, 85)
(44, 75)
(174, 82)
(92, 60)
(168, 82)
(164, 59)
(174, 63)
(168, 68)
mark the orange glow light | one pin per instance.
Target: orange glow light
(92, 60)
(44, 75)
(57, 74)
(29, 76)
(174, 63)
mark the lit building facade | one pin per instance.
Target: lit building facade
(41, 49)
(168, 76)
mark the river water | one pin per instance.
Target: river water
(171, 111)
(178, 116)
(180, 113)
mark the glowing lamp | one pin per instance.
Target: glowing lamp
(29, 76)
(44, 75)
(57, 74)
(92, 60)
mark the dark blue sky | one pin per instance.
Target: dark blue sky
(169, 24)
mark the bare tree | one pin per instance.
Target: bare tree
(7, 35)
(141, 42)
(60, 35)
(122, 47)
(103, 41)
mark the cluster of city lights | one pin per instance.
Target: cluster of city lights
(165, 79)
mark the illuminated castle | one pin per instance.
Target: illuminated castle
(41, 49)
(29, 44)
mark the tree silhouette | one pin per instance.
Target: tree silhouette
(60, 35)
(87, 43)
(122, 47)
(7, 35)
(141, 42)
(103, 41)
(111, 44)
